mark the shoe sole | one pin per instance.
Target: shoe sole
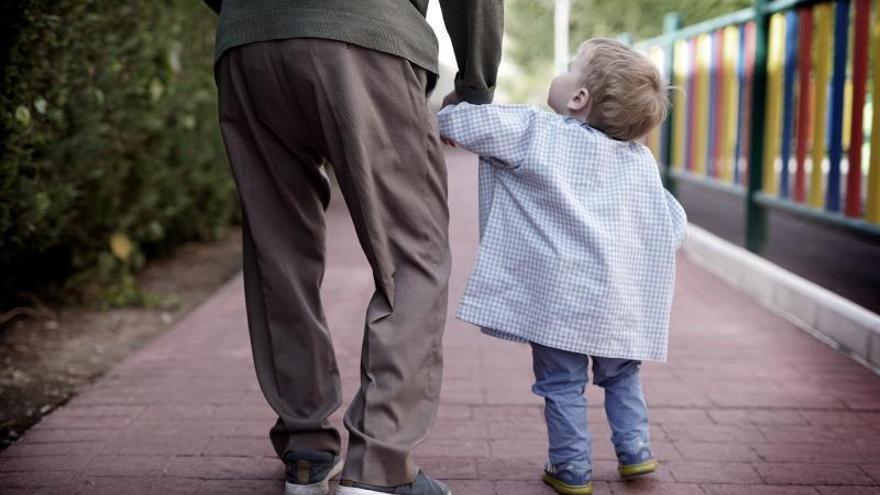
(566, 489)
(320, 488)
(637, 469)
(350, 490)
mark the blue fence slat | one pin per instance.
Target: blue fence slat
(791, 42)
(838, 81)
(741, 77)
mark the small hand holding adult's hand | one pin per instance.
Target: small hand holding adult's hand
(450, 99)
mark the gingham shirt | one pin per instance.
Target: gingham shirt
(577, 234)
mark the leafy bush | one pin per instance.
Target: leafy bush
(109, 148)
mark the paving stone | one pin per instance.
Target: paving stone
(813, 474)
(459, 468)
(847, 490)
(28, 479)
(136, 485)
(664, 415)
(648, 486)
(226, 468)
(835, 418)
(811, 453)
(454, 448)
(31, 449)
(240, 487)
(873, 470)
(799, 434)
(167, 445)
(715, 433)
(128, 466)
(714, 451)
(473, 486)
(757, 417)
(759, 490)
(714, 472)
(237, 446)
(39, 464)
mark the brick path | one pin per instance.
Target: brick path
(747, 403)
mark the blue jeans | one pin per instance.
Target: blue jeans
(561, 377)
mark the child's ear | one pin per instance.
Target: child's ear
(579, 101)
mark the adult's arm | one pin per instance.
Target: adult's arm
(476, 28)
(214, 4)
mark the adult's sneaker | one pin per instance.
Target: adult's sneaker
(422, 485)
(309, 472)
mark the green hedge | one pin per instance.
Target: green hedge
(109, 145)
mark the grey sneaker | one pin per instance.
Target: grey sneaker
(422, 485)
(309, 472)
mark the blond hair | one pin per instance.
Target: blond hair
(628, 97)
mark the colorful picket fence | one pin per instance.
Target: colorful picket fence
(773, 103)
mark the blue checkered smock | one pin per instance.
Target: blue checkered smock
(577, 234)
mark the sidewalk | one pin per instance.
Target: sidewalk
(745, 399)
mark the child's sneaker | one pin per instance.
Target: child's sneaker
(642, 462)
(568, 480)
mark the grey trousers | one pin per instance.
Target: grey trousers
(285, 106)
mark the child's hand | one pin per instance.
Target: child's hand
(450, 99)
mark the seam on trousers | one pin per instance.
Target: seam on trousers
(243, 92)
(389, 296)
(268, 330)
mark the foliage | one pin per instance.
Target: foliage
(109, 149)
(529, 29)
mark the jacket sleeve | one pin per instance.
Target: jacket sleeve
(476, 28)
(214, 4)
(678, 217)
(501, 134)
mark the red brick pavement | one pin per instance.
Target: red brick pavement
(746, 404)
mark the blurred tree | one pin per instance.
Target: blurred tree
(109, 147)
(529, 30)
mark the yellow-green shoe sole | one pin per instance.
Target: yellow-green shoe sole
(637, 469)
(566, 489)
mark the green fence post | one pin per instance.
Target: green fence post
(671, 23)
(756, 215)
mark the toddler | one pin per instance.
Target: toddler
(577, 247)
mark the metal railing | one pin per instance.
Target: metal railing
(772, 104)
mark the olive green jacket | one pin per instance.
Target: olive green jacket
(397, 27)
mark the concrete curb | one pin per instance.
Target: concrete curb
(840, 323)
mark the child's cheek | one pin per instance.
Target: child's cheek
(555, 96)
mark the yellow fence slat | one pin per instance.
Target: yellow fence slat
(680, 73)
(701, 99)
(653, 138)
(731, 103)
(773, 112)
(872, 209)
(822, 64)
(847, 113)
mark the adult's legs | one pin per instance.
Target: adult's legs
(369, 113)
(276, 163)
(291, 102)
